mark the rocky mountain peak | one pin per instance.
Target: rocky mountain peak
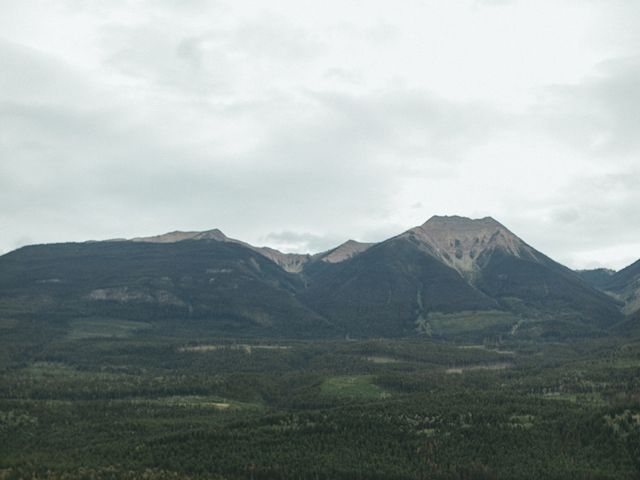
(345, 251)
(460, 241)
(179, 236)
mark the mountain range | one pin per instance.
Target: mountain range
(452, 277)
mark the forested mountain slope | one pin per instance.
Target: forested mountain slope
(449, 276)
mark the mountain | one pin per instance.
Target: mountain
(388, 289)
(598, 278)
(290, 262)
(178, 236)
(625, 285)
(347, 250)
(199, 284)
(462, 243)
(450, 277)
(452, 265)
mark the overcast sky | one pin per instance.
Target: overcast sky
(300, 124)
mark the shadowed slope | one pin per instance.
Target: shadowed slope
(388, 288)
(454, 264)
(625, 285)
(225, 285)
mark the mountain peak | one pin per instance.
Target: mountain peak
(345, 251)
(214, 234)
(460, 241)
(457, 221)
(178, 236)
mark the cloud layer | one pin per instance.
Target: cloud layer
(302, 124)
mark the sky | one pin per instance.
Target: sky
(299, 124)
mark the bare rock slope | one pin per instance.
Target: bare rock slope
(462, 243)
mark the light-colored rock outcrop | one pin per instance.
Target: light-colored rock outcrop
(290, 262)
(343, 252)
(178, 236)
(460, 242)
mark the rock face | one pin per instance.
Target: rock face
(126, 294)
(462, 243)
(179, 236)
(290, 262)
(347, 250)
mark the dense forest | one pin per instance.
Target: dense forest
(99, 399)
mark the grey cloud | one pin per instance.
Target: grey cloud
(209, 61)
(383, 33)
(566, 215)
(96, 7)
(189, 64)
(273, 38)
(190, 49)
(591, 213)
(250, 124)
(415, 123)
(101, 169)
(343, 75)
(494, 3)
(32, 76)
(598, 115)
(303, 242)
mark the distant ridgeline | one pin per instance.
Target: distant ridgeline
(451, 277)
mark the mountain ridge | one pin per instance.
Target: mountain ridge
(402, 286)
(625, 285)
(461, 241)
(475, 264)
